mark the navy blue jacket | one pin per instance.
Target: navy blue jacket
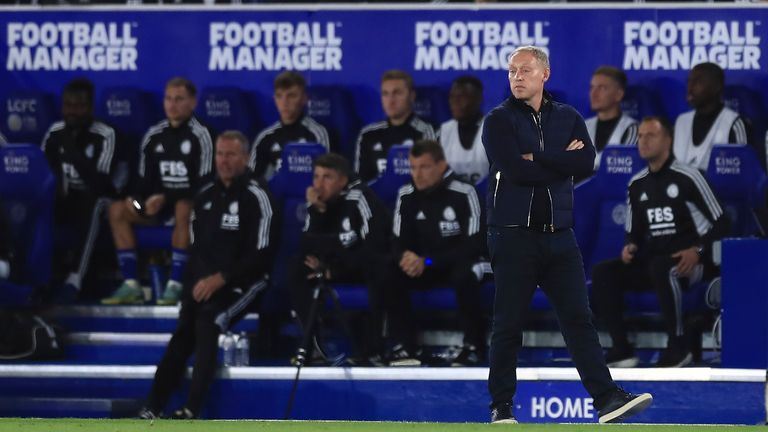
(514, 128)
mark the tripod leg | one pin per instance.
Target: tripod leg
(309, 329)
(297, 320)
(302, 352)
(292, 396)
(318, 350)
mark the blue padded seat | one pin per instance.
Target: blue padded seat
(737, 179)
(641, 101)
(601, 205)
(333, 107)
(27, 192)
(396, 174)
(227, 108)
(431, 104)
(288, 187)
(130, 110)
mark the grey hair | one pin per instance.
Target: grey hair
(540, 54)
(235, 135)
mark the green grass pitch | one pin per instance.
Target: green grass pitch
(106, 425)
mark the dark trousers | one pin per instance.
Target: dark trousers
(197, 332)
(301, 288)
(459, 276)
(521, 260)
(78, 223)
(611, 279)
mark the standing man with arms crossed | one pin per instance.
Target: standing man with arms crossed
(535, 147)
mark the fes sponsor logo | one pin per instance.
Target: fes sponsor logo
(347, 236)
(174, 174)
(473, 45)
(231, 221)
(71, 46)
(449, 226)
(71, 174)
(681, 45)
(274, 46)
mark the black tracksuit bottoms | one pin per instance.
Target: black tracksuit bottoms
(523, 259)
(612, 278)
(198, 332)
(79, 219)
(459, 276)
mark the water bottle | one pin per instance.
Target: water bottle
(243, 350)
(228, 346)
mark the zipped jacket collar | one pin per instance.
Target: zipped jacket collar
(546, 102)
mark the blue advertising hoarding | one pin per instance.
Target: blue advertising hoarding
(41, 49)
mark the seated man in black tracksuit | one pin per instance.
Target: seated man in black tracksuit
(438, 240)
(402, 125)
(175, 160)
(294, 126)
(231, 253)
(673, 219)
(81, 153)
(345, 238)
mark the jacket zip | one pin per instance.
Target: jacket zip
(537, 120)
(496, 189)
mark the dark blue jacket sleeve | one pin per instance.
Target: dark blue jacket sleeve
(577, 163)
(499, 140)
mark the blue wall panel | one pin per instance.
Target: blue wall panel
(42, 49)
